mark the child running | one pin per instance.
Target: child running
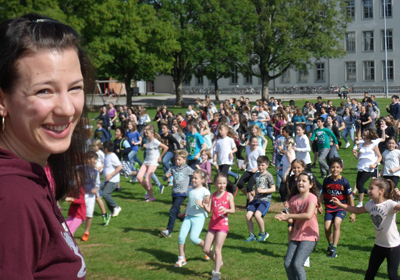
(382, 208)
(335, 186)
(195, 215)
(264, 186)
(77, 210)
(92, 186)
(391, 162)
(181, 172)
(221, 204)
(303, 203)
(151, 161)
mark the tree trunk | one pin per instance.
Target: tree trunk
(216, 90)
(264, 89)
(179, 93)
(128, 90)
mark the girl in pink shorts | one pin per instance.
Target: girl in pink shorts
(221, 204)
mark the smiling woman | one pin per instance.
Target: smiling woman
(43, 74)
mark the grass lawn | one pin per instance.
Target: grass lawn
(130, 247)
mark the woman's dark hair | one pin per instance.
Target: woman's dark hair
(31, 34)
(243, 121)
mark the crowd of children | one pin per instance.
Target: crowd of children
(190, 146)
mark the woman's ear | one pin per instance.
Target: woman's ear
(3, 108)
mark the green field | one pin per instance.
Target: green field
(130, 247)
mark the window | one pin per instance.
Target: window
(199, 78)
(351, 74)
(302, 76)
(351, 42)
(387, 8)
(390, 70)
(389, 40)
(211, 82)
(248, 80)
(351, 12)
(369, 70)
(234, 77)
(259, 81)
(186, 82)
(368, 41)
(320, 72)
(285, 78)
(150, 86)
(368, 9)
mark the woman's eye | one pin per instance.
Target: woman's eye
(77, 88)
(44, 91)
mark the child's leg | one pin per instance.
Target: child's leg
(322, 154)
(140, 175)
(304, 250)
(150, 172)
(375, 260)
(88, 224)
(184, 231)
(289, 259)
(393, 260)
(336, 229)
(249, 220)
(258, 215)
(174, 211)
(108, 189)
(208, 242)
(101, 205)
(90, 200)
(328, 230)
(197, 227)
(219, 242)
(73, 224)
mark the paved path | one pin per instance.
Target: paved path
(169, 99)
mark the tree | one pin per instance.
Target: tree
(286, 34)
(126, 40)
(221, 23)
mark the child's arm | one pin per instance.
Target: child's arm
(352, 209)
(207, 205)
(215, 156)
(201, 203)
(302, 216)
(265, 143)
(272, 189)
(350, 201)
(231, 209)
(112, 174)
(167, 174)
(246, 159)
(164, 151)
(203, 147)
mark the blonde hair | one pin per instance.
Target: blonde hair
(181, 153)
(208, 153)
(97, 143)
(289, 144)
(151, 128)
(259, 132)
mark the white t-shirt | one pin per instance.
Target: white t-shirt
(367, 156)
(152, 153)
(252, 157)
(190, 113)
(391, 161)
(111, 162)
(285, 161)
(223, 147)
(192, 208)
(384, 220)
(303, 148)
(100, 159)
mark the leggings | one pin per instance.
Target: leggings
(297, 254)
(283, 191)
(248, 178)
(378, 255)
(362, 178)
(194, 224)
(73, 223)
(149, 171)
(239, 155)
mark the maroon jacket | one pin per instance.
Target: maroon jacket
(34, 240)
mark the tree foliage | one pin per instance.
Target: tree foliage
(287, 34)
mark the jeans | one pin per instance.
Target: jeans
(349, 130)
(278, 172)
(309, 128)
(322, 154)
(174, 211)
(194, 224)
(332, 153)
(296, 255)
(107, 190)
(133, 157)
(165, 160)
(269, 132)
(231, 173)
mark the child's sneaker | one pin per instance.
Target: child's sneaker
(360, 204)
(251, 237)
(116, 211)
(165, 233)
(85, 236)
(262, 237)
(161, 189)
(106, 219)
(180, 262)
(333, 253)
(216, 276)
(328, 251)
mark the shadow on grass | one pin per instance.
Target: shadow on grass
(246, 250)
(165, 258)
(357, 271)
(145, 230)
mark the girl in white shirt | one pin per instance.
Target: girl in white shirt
(368, 159)
(382, 209)
(391, 162)
(303, 146)
(151, 161)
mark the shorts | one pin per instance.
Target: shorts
(217, 230)
(90, 200)
(331, 216)
(314, 146)
(126, 170)
(261, 206)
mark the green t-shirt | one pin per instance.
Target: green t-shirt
(323, 138)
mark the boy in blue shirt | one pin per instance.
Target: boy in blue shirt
(195, 144)
(100, 133)
(335, 186)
